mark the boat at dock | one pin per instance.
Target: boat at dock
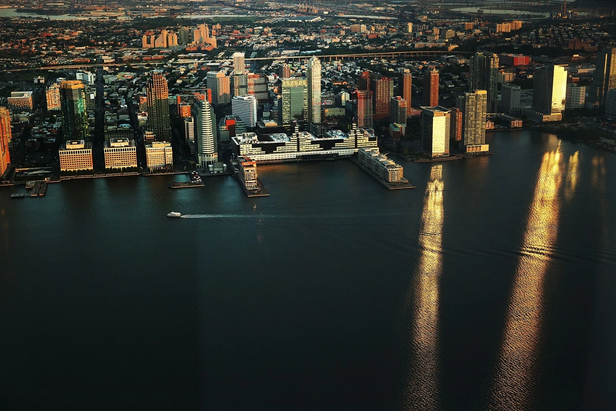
(174, 214)
(43, 189)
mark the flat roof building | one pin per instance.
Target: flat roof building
(435, 131)
(159, 155)
(21, 100)
(76, 155)
(120, 154)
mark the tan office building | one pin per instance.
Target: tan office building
(158, 155)
(76, 155)
(120, 153)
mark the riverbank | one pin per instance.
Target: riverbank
(590, 137)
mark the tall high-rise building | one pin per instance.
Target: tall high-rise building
(239, 63)
(430, 88)
(576, 96)
(406, 89)
(205, 134)
(398, 107)
(610, 104)
(435, 131)
(159, 122)
(294, 100)
(473, 107)
(257, 86)
(484, 76)
(220, 86)
(185, 36)
(383, 92)
(74, 112)
(605, 75)
(240, 85)
(455, 128)
(5, 138)
(246, 109)
(284, 71)
(364, 109)
(510, 99)
(364, 81)
(201, 35)
(314, 91)
(550, 90)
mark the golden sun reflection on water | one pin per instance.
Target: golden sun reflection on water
(572, 175)
(598, 171)
(513, 381)
(423, 382)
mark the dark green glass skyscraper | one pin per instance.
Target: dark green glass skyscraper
(74, 114)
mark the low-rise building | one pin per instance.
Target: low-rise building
(76, 155)
(120, 154)
(247, 171)
(52, 97)
(380, 165)
(279, 147)
(21, 100)
(159, 155)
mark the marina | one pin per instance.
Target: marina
(195, 182)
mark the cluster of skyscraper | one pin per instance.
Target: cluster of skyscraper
(196, 36)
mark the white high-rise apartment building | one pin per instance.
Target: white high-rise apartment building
(314, 91)
(239, 63)
(245, 107)
(206, 134)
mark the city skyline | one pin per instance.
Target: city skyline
(425, 160)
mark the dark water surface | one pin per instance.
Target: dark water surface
(492, 286)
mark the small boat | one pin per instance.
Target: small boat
(20, 195)
(174, 214)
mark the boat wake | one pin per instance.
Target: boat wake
(238, 216)
(283, 216)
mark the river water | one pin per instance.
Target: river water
(489, 287)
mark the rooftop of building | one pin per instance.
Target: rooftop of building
(119, 142)
(158, 144)
(279, 137)
(21, 94)
(436, 109)
(76, 145)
